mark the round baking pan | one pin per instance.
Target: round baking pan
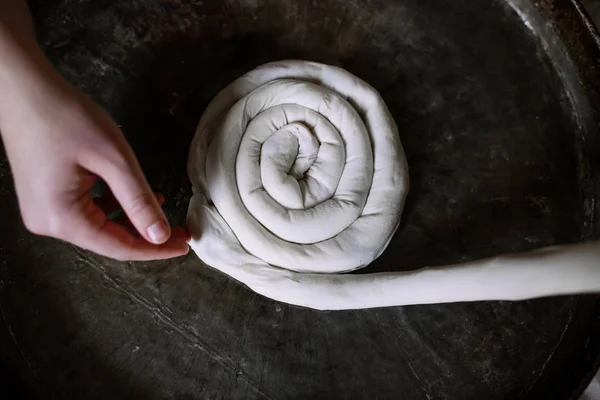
(497, 103)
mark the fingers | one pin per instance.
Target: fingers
(114, 241)
(91, 230)
(130, 188)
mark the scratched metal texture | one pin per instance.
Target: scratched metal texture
(498, 107)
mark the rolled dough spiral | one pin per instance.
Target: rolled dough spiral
(299, 176)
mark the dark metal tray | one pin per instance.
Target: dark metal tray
(498, 105)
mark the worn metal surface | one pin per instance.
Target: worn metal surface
(497, 104)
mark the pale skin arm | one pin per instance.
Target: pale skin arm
(58, 143)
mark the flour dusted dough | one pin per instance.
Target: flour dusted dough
(299, 176)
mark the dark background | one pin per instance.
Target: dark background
(499, 124)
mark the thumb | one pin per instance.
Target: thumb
(131, 189)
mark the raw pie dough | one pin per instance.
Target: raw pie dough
(299, 176)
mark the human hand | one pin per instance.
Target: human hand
(59, 142)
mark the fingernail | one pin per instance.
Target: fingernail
(158, 232)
